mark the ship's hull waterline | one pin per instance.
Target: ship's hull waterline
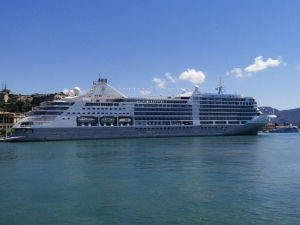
(94, 133)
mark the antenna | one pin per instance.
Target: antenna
(220, 88)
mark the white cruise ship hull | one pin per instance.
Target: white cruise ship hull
(92, 133)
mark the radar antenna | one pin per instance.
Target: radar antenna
(221, 88)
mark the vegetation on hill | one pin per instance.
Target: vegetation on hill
(16, 106)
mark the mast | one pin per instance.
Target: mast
(220, 88)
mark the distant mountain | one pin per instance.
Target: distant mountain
(289, 116)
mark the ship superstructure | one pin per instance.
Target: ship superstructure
(104, 113)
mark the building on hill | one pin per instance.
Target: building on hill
(268, 127)
(38, 99)
(24, 98)
(7, 119)
(4, 94)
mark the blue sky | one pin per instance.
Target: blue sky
(49, 46)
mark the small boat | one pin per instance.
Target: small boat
(289, 129)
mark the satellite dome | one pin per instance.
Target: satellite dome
(71, 93)
(76, 91)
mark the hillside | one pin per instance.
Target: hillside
(289, 116)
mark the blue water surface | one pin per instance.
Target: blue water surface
(197, 180)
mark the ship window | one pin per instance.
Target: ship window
(83, 108)
(68, 113)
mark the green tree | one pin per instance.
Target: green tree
(26, 107)
(2, 132)
(17, 106)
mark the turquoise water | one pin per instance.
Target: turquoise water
(207, 180)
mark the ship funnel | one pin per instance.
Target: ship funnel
(196, 87)
(102, 80)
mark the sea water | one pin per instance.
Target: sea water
(196, 180)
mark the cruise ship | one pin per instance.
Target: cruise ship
(289, 129)
(105, 113)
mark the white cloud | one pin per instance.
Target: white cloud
(145, 92)
(298, 67)
(238, 73)
(193, 76)
(161, 84)
(168, 75)
(259, 64)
